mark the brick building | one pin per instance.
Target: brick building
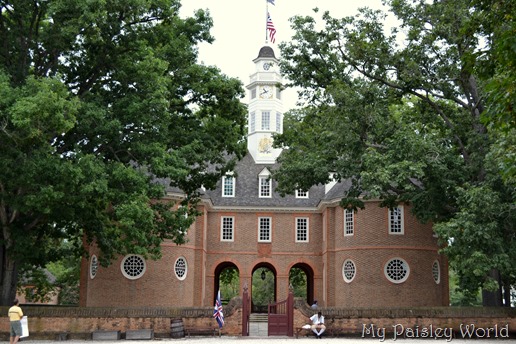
(375, 257)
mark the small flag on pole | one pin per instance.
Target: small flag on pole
(271, 2)
(217, 311)
(271, 29)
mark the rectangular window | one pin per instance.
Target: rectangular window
(227, 228)
(396, 220)
(266, 120)
(265, 187)
(301, 229)
(278, 122)
(264, 229)
(252, 125)
(228, 186)
(253, 93)
(301, 194)
(278, 92)
(349, 225)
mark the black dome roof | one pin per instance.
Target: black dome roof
(266, 51)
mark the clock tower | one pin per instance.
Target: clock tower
(265, 116)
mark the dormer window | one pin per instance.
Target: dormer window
(265, 184)
(301, 194)
(228, 186)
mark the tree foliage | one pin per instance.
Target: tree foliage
(399, 115)
(102, 106)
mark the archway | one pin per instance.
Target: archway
(263, 289)
(227, 280)
(301, 277)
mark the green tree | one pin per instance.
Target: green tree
(229, 283)
(399, 115)
(297, 279)
(102, 107)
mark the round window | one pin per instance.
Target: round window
(397, 270)
(348, 270)
(94, 266)
(436, 272)
(180, 268)
(133, 266)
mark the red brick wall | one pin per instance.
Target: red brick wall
(370, 248)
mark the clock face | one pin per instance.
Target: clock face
(267, 65)
(266, 92)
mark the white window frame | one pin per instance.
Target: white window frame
(265, 228)
(266, 120)
(345, 266)
(349, 222)
(228, 187)
(225, 230)
(94, 266)
(301, 194)
(299, 229)
(133, 257)
(403, 263)
(278, 122)
(396, 222)
(436, 272)
(265, 187)
(252, 122)
(177, 268)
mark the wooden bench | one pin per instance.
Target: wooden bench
(202, 331)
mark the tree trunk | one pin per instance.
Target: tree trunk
(493, 298)
(9, 278)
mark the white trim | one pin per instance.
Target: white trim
(232, 228)
(349, 280)
(403, 265)
(233, 183)
(269, 229)
(307, 229)
(264, 184)
(437, 279)
(299, 194)
(134, 257)
(181, 278)
(399, 222)
(94, 266)
(352, 226)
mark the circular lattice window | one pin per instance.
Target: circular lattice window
(436, 272)
(94, 266)
(397, 270)
(348, 270)
(180, 268)
(133, 266)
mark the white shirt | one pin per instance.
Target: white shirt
(316, 320)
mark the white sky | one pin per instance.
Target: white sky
(239, 30)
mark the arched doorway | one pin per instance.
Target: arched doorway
(301, 277)
(263, 289)
(227, 280)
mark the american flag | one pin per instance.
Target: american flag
(271, 29)
(217, 311)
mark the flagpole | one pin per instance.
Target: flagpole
(266, 19)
